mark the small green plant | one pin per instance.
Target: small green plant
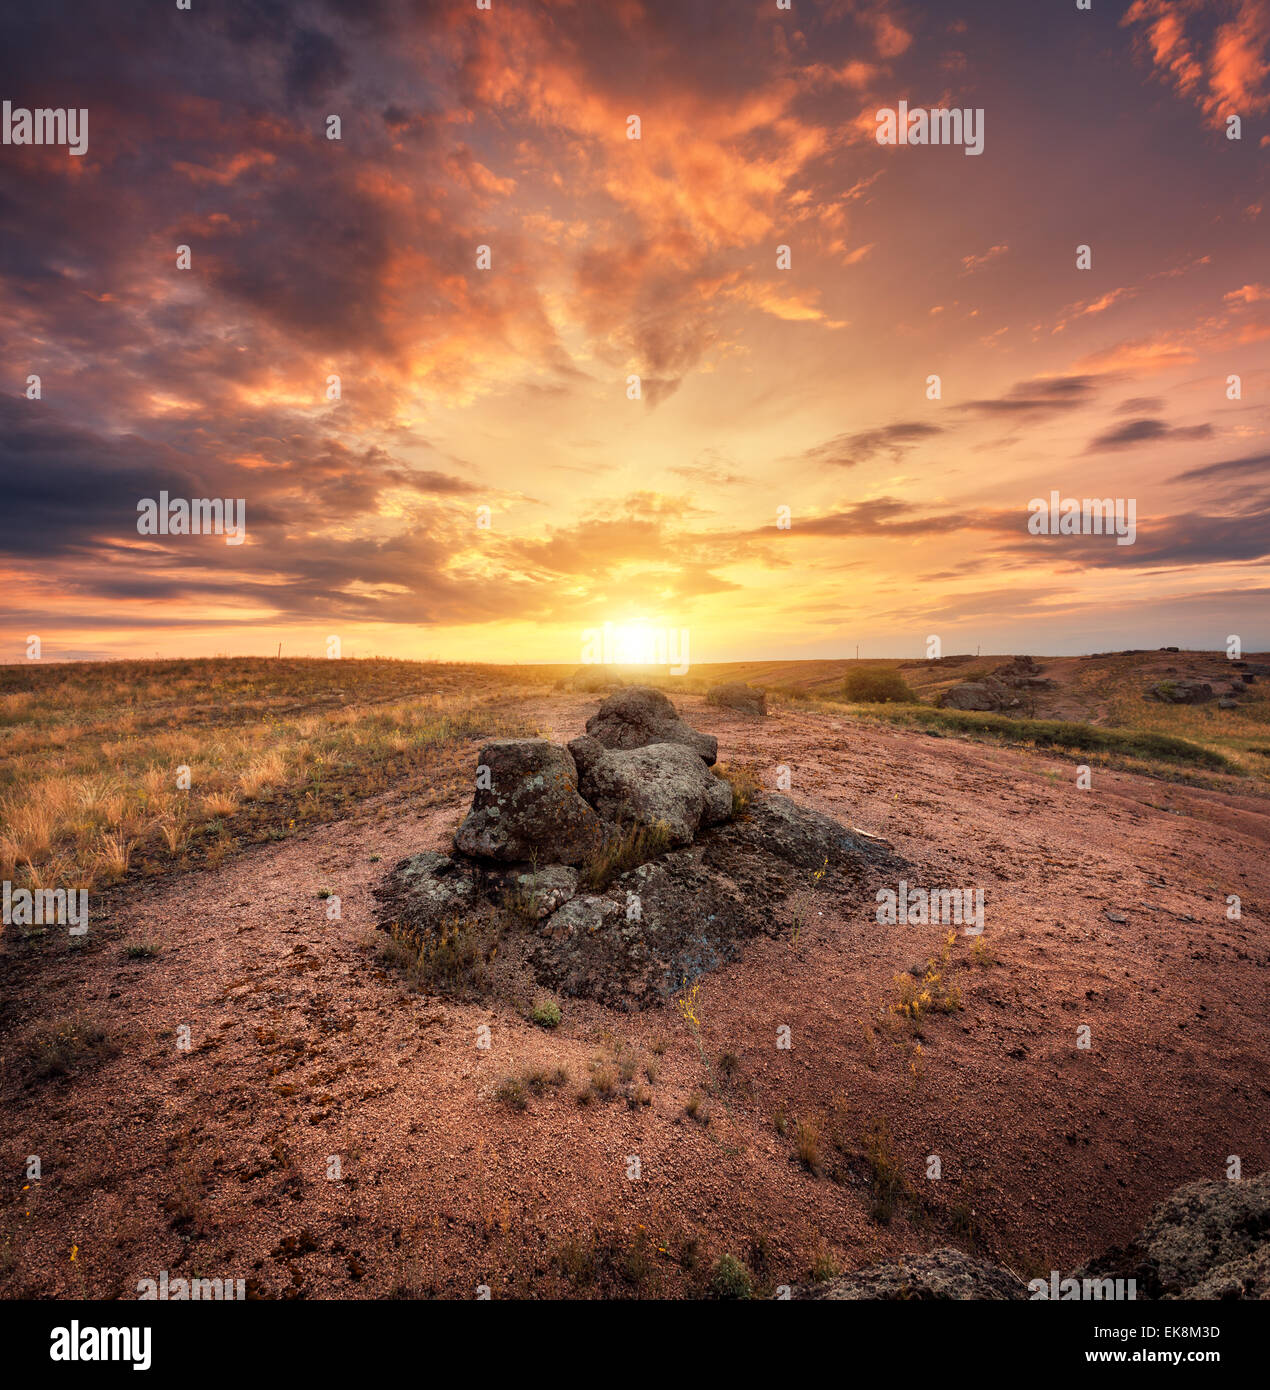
(731, 1279)
(326, 892)
(546, 1013)
(142, 950)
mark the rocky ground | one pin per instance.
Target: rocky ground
(1105, 909)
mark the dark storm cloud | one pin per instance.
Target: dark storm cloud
(315, 66)
(68, 490)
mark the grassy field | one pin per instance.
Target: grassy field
(112, 769)
(1112, 718)
(118, 769)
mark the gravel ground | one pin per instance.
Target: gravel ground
(1104, 908)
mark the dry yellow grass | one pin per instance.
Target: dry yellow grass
(107, 767)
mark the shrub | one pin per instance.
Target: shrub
(546, 1013)
(630, 847)
(66, 1047)
(516, 1089)
(731, 1279)
(745, 784)
(886, 1175)
(808, 1138)
(452, 959)
(513, 1092)
(878, 686)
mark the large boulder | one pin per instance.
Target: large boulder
(943, 1274)
(1182, 692)
(639, 715)
(656, 926)
(998, 691)
(527, 806)
(1019, 670)
(748, 699)
(660, 784)
(690, 910)
(986, 695)
(1209, 1239)
(777, 828)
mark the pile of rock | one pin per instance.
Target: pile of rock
(553, 829)
(999, 691)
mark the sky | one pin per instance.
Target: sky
(686, 388)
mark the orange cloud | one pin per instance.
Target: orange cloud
(1230, 78)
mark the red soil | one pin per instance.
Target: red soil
(213, 1161)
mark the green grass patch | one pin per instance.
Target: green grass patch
(1060, 734)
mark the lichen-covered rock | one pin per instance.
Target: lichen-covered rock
(689, 911)
(428, 889)
(781, 828)
(1182, 692)
(639, 715)
(581, 917)
(663, 784)
(537, 893)
(659, 924)
(527, 806)
(1208, 1239)
(943, 1274)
